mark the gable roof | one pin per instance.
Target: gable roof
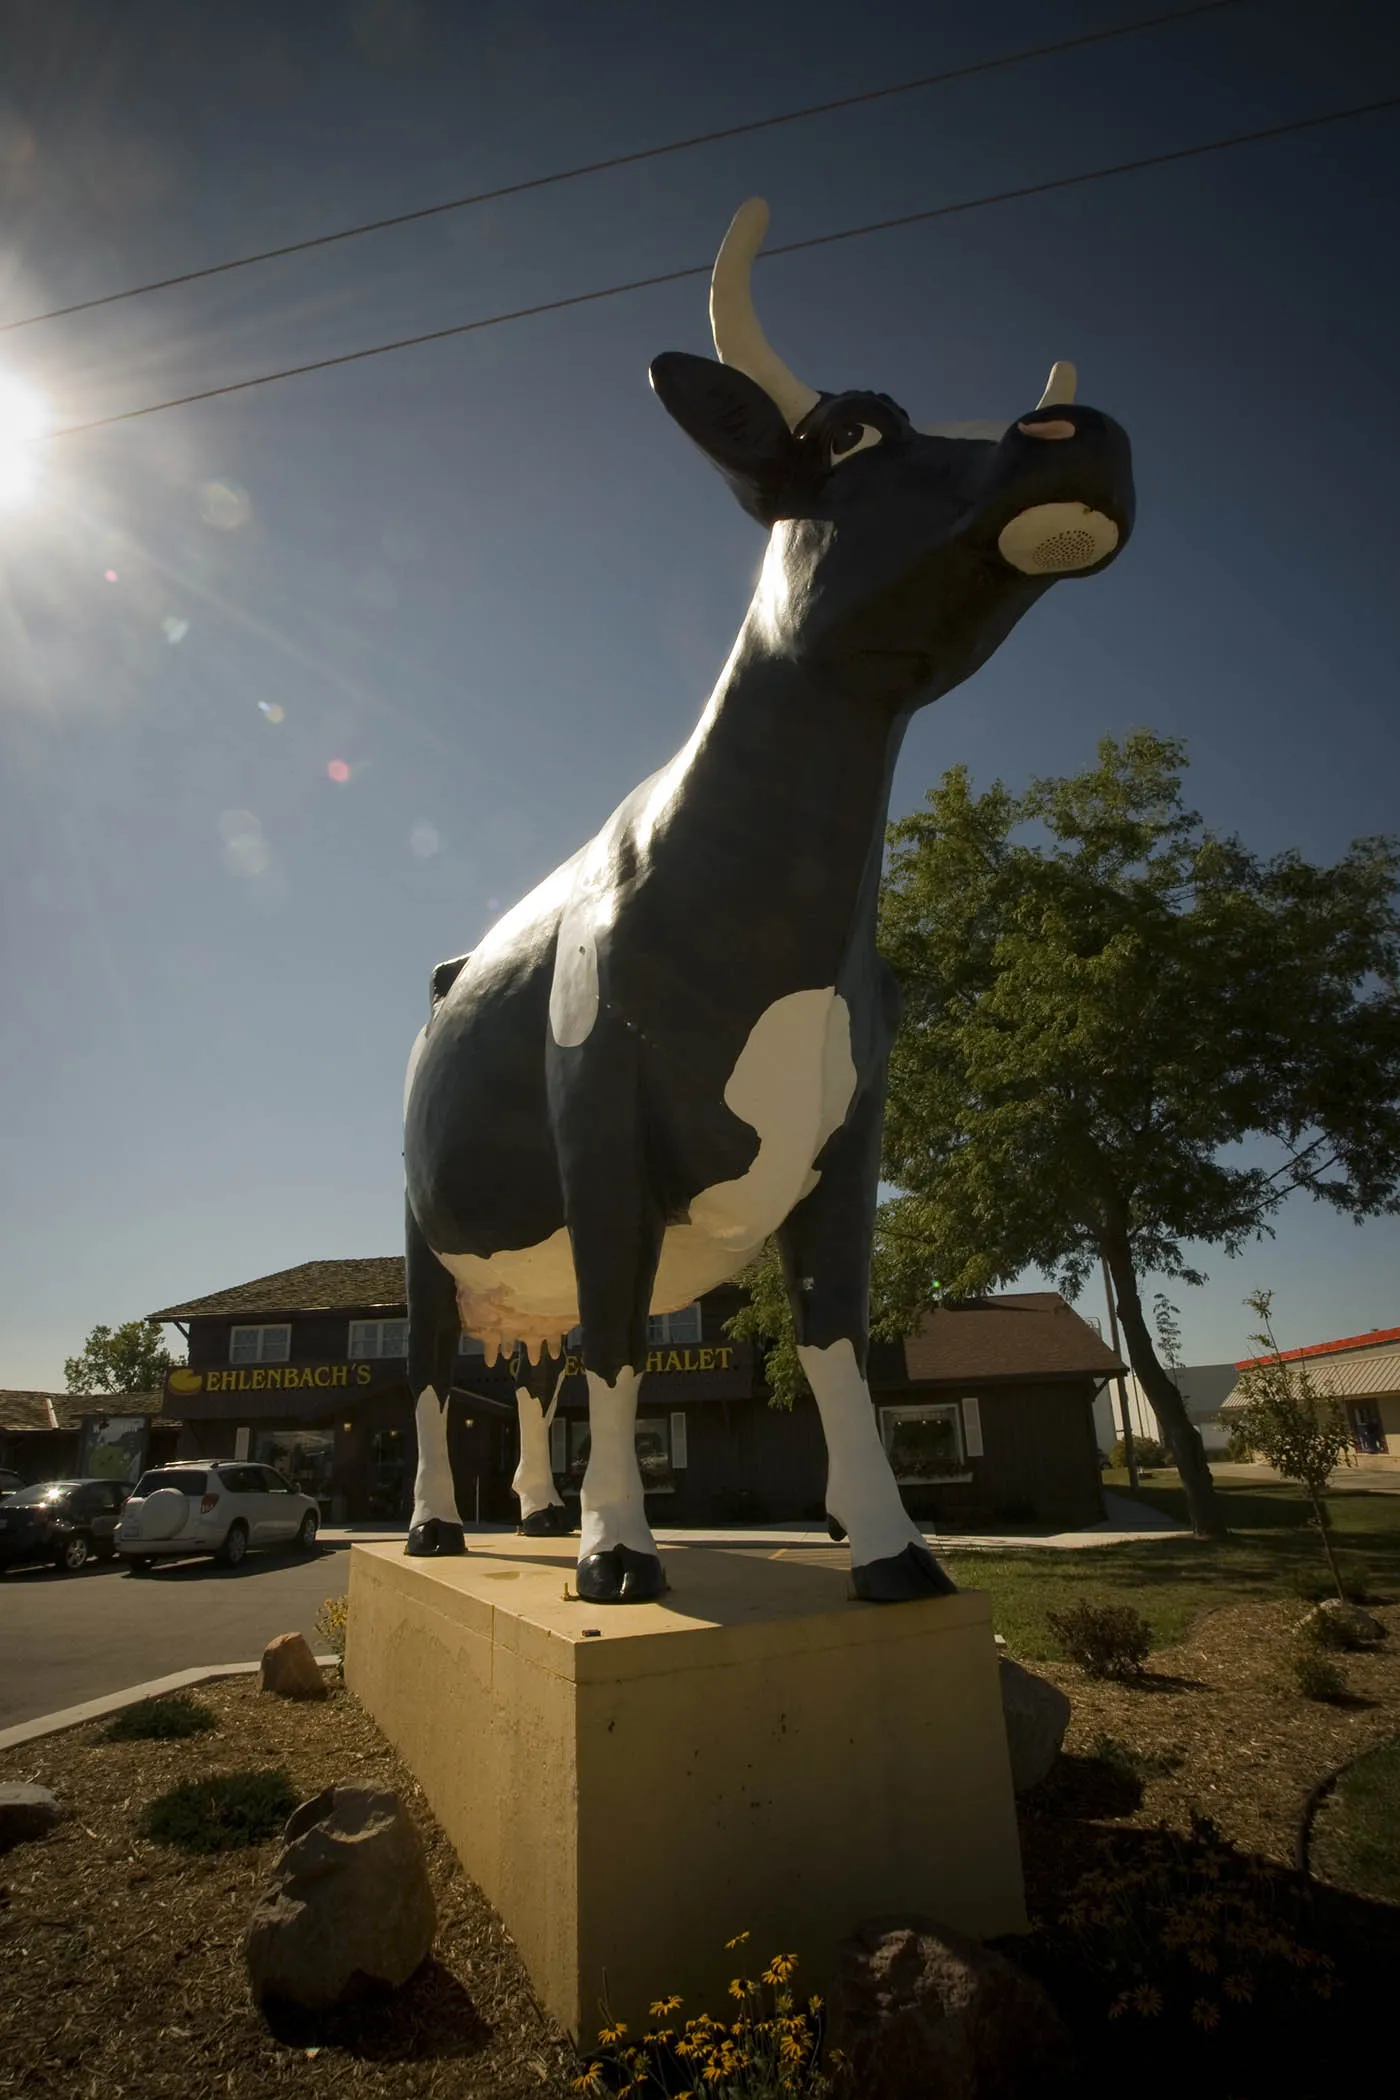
(372, 1283)
(1374, 1340)
(30, 1411)
(1021, 1334)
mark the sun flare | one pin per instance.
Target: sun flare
(24, 422)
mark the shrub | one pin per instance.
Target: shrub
(220, 1815)
(771, 2051)
(1312, 1584)
(330, 1624)
(1105, 1640)
(160, 1720)
(1197, 1949)
(1146, 1450)
(1316, 1676)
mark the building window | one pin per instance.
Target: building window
(303, 1456)
(378, 1338)
(259, 1345)
(1367, 1435)
(470, 1345)
(674, 1327)
(924, 1443)
(661, 1451)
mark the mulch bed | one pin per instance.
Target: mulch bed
(120, 1963)
(120, 1959)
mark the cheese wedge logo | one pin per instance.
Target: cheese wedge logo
(186, 1381)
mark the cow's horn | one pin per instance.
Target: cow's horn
(1059, 387)
(738, 338)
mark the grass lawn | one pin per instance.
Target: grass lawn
(1173, 1580)
(1356, 1838)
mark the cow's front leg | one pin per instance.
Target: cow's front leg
(825, 1245)
(615, 1231)
(543, 1514)
(433, 1330)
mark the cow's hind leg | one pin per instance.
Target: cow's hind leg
(825, 1246)
(543, 1513)
(433, 1330)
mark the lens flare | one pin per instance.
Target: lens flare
(338, 771)
(24, 423)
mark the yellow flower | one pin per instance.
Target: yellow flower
(1148, 2000)
(664, 2005)
(1206, 2013)
(738, 1940)
(611, 2036)
(1240, 1988)
(780, 1968)
(1201, 1958)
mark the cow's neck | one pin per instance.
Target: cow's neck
(786, 792)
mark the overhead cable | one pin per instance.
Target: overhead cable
(624, 160)
(818, 240)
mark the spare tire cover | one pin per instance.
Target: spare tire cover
(163, 1514)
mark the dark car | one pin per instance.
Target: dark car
(10, 1482)
(65, 1522)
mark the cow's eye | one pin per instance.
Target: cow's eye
(853, 437)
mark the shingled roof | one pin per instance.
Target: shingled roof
(1021, 1334)
(24, 1411)
(373, 1283)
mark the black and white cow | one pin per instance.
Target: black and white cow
(677, 1045)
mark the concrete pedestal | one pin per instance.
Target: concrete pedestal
(631, 1787)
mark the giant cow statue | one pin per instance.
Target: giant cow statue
(677, 1045)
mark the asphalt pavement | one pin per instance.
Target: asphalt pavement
(67, 1638)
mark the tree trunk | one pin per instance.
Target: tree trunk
(1183, 1438)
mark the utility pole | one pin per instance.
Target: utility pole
(1128, 1451)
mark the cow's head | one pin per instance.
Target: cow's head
(898, 555)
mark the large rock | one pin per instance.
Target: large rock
(1037, 1715)
(348, 1908)
(1345, 1624)
(919, 2012)
(25, 1812)
(290, 1669)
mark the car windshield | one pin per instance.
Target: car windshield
(186, 1480)
(47, 1491)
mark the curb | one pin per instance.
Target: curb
(113, 1702)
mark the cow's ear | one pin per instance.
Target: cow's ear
(738, 427)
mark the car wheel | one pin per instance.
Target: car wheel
(74, 1553)
(306, 1536)
(235, 1546)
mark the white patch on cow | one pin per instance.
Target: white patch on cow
(534, 1477)
(793, 1083)
(861, 1491)
(433, 1492)
(573, 995)
(611, 1506)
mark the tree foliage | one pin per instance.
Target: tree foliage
(1104, 999)
(1300, 1432)
(127, 1359)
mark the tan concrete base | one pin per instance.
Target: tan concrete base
(631, 1787)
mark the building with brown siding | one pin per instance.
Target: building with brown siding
(987, 1411)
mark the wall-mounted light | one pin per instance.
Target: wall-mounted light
(347, 1427)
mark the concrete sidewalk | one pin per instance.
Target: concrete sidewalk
(1124, 1520)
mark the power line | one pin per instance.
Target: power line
(624, 160)
(819, 240)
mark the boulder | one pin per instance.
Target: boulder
(1346, 1624)
(25, 1812)
(348, 1909)
(920, 2012)
(290, 1669)
(1037, 1715)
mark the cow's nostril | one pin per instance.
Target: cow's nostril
(1057, 428)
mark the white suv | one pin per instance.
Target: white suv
(221, 1509)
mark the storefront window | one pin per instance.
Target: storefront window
(390, 1488)
(676, 1328)
(654, 1454)
(1367, 1435)
(303, 1456)
(924, 1443)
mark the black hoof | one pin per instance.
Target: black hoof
(620, 1576)
(904, 1576)
(835, 1529)
(435, 1538)
(552, 1522)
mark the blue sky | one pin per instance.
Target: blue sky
(490, 579)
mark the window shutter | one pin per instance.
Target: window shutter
(558, 1445)
(679, 1457)
(240, 1443)
(972, 1427)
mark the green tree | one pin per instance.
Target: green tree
(128, 1359)
(1286, 1421)
(1101, 999)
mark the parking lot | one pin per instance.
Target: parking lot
(67, 1638)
